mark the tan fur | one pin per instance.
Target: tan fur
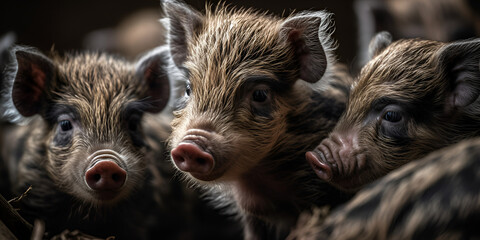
(408, 73)
(101, 87)
(95, 93)
(223, 68)
(259, 159)
(411, 76)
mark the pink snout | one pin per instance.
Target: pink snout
(320, 165)
(190, 158)
(105, 176)
(340, 160)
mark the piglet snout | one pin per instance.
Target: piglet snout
(105, 176)
(189, 157)
(339, 160)
(319, 164)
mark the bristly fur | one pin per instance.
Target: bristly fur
(228, 52)
(222, 11)
(416, 79)
(103, 97)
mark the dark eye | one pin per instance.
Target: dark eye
(188, 89)
(260, 95)
(66, 125)
(392, 116)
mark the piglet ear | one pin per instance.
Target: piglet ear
(460, 62)
(34, 73)
(153, 72)
(307, 33)
(182, 23)
(378, 43)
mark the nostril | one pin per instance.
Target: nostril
(201, 161)
(177, 156)
(96, 177)
(116, 177)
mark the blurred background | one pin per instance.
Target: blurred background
(131, 27)
(73, 25)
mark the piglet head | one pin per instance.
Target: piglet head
(91, 108)
(413, 97)
(239, 93)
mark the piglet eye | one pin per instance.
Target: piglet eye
(66, 125)
(260, 95)
(188, 90)
(392, 116)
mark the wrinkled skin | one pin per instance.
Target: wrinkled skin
(413, 97)
(435, 197)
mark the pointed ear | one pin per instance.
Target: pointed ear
(460, 62)
(34, 73)
(305, 32)
(153, 73)
(378, 43)
(183, 22)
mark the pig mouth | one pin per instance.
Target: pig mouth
(319, 164)
(106, 195)
(106, 174)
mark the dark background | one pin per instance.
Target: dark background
(64, 23)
